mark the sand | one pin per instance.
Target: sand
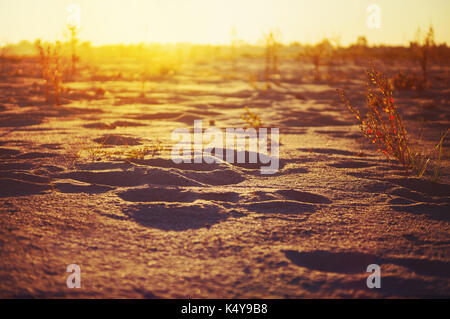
(150, 228)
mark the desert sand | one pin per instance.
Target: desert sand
(149, 228)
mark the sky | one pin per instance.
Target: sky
(211, 21)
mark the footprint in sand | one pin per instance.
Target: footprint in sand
(13, 187)
(285, 201)
(432, 210)
(8, 152)
(72, 188)
(304, 197)
(351, 164)
(130, 177)
(26, 177)
(16, 166)
(418, 196)
(330, 151)
(168, 163)
(36, 155)
(356, 262)
(280, 207)
(156, 194)
(140, 175)
(176, 216)
(153, 194)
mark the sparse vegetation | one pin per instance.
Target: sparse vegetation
(272, 47)
(383, 126)
(73, 40)
(252, 119)
(317, 54)
(421, 50)
(95, 152)
(359, 50)
(140, 153)
(3, 52)
(223, 170)
(70, 157)
(50, 59)
(407, 81)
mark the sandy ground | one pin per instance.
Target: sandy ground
(150, 228)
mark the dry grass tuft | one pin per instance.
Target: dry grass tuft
(252, 119)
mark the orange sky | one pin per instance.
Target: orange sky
(211, 21)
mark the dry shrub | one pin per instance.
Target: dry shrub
(152, 150)
(98, 152)
(421, 50)
(384, 127)
(50, 59)
(3, 53)
(73, 40)
(407, 81)
(271, 55)
(252, 119)
(317, 54)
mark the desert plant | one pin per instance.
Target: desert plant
(333, 55)
(98, 152)
(140, 153)
(252, 119)
(383, 125)
(271, 55)
(439, 150)
(421, 50)
(70, 157)
(359, 49)
(407, 81)
(44, 55)
(158, 147)
(317, 53)
(50, 60)
(95, 152)
(3, 51)
(57, 74)
(73, 39)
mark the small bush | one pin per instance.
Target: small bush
(383, 126)
(252, 119)
(3, 53)
(406, 81)
(271, 55)
(421, 50)
(73, 39)
(317, 54)
(50, 59)
(140, 153)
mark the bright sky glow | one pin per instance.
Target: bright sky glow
(211, 21)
